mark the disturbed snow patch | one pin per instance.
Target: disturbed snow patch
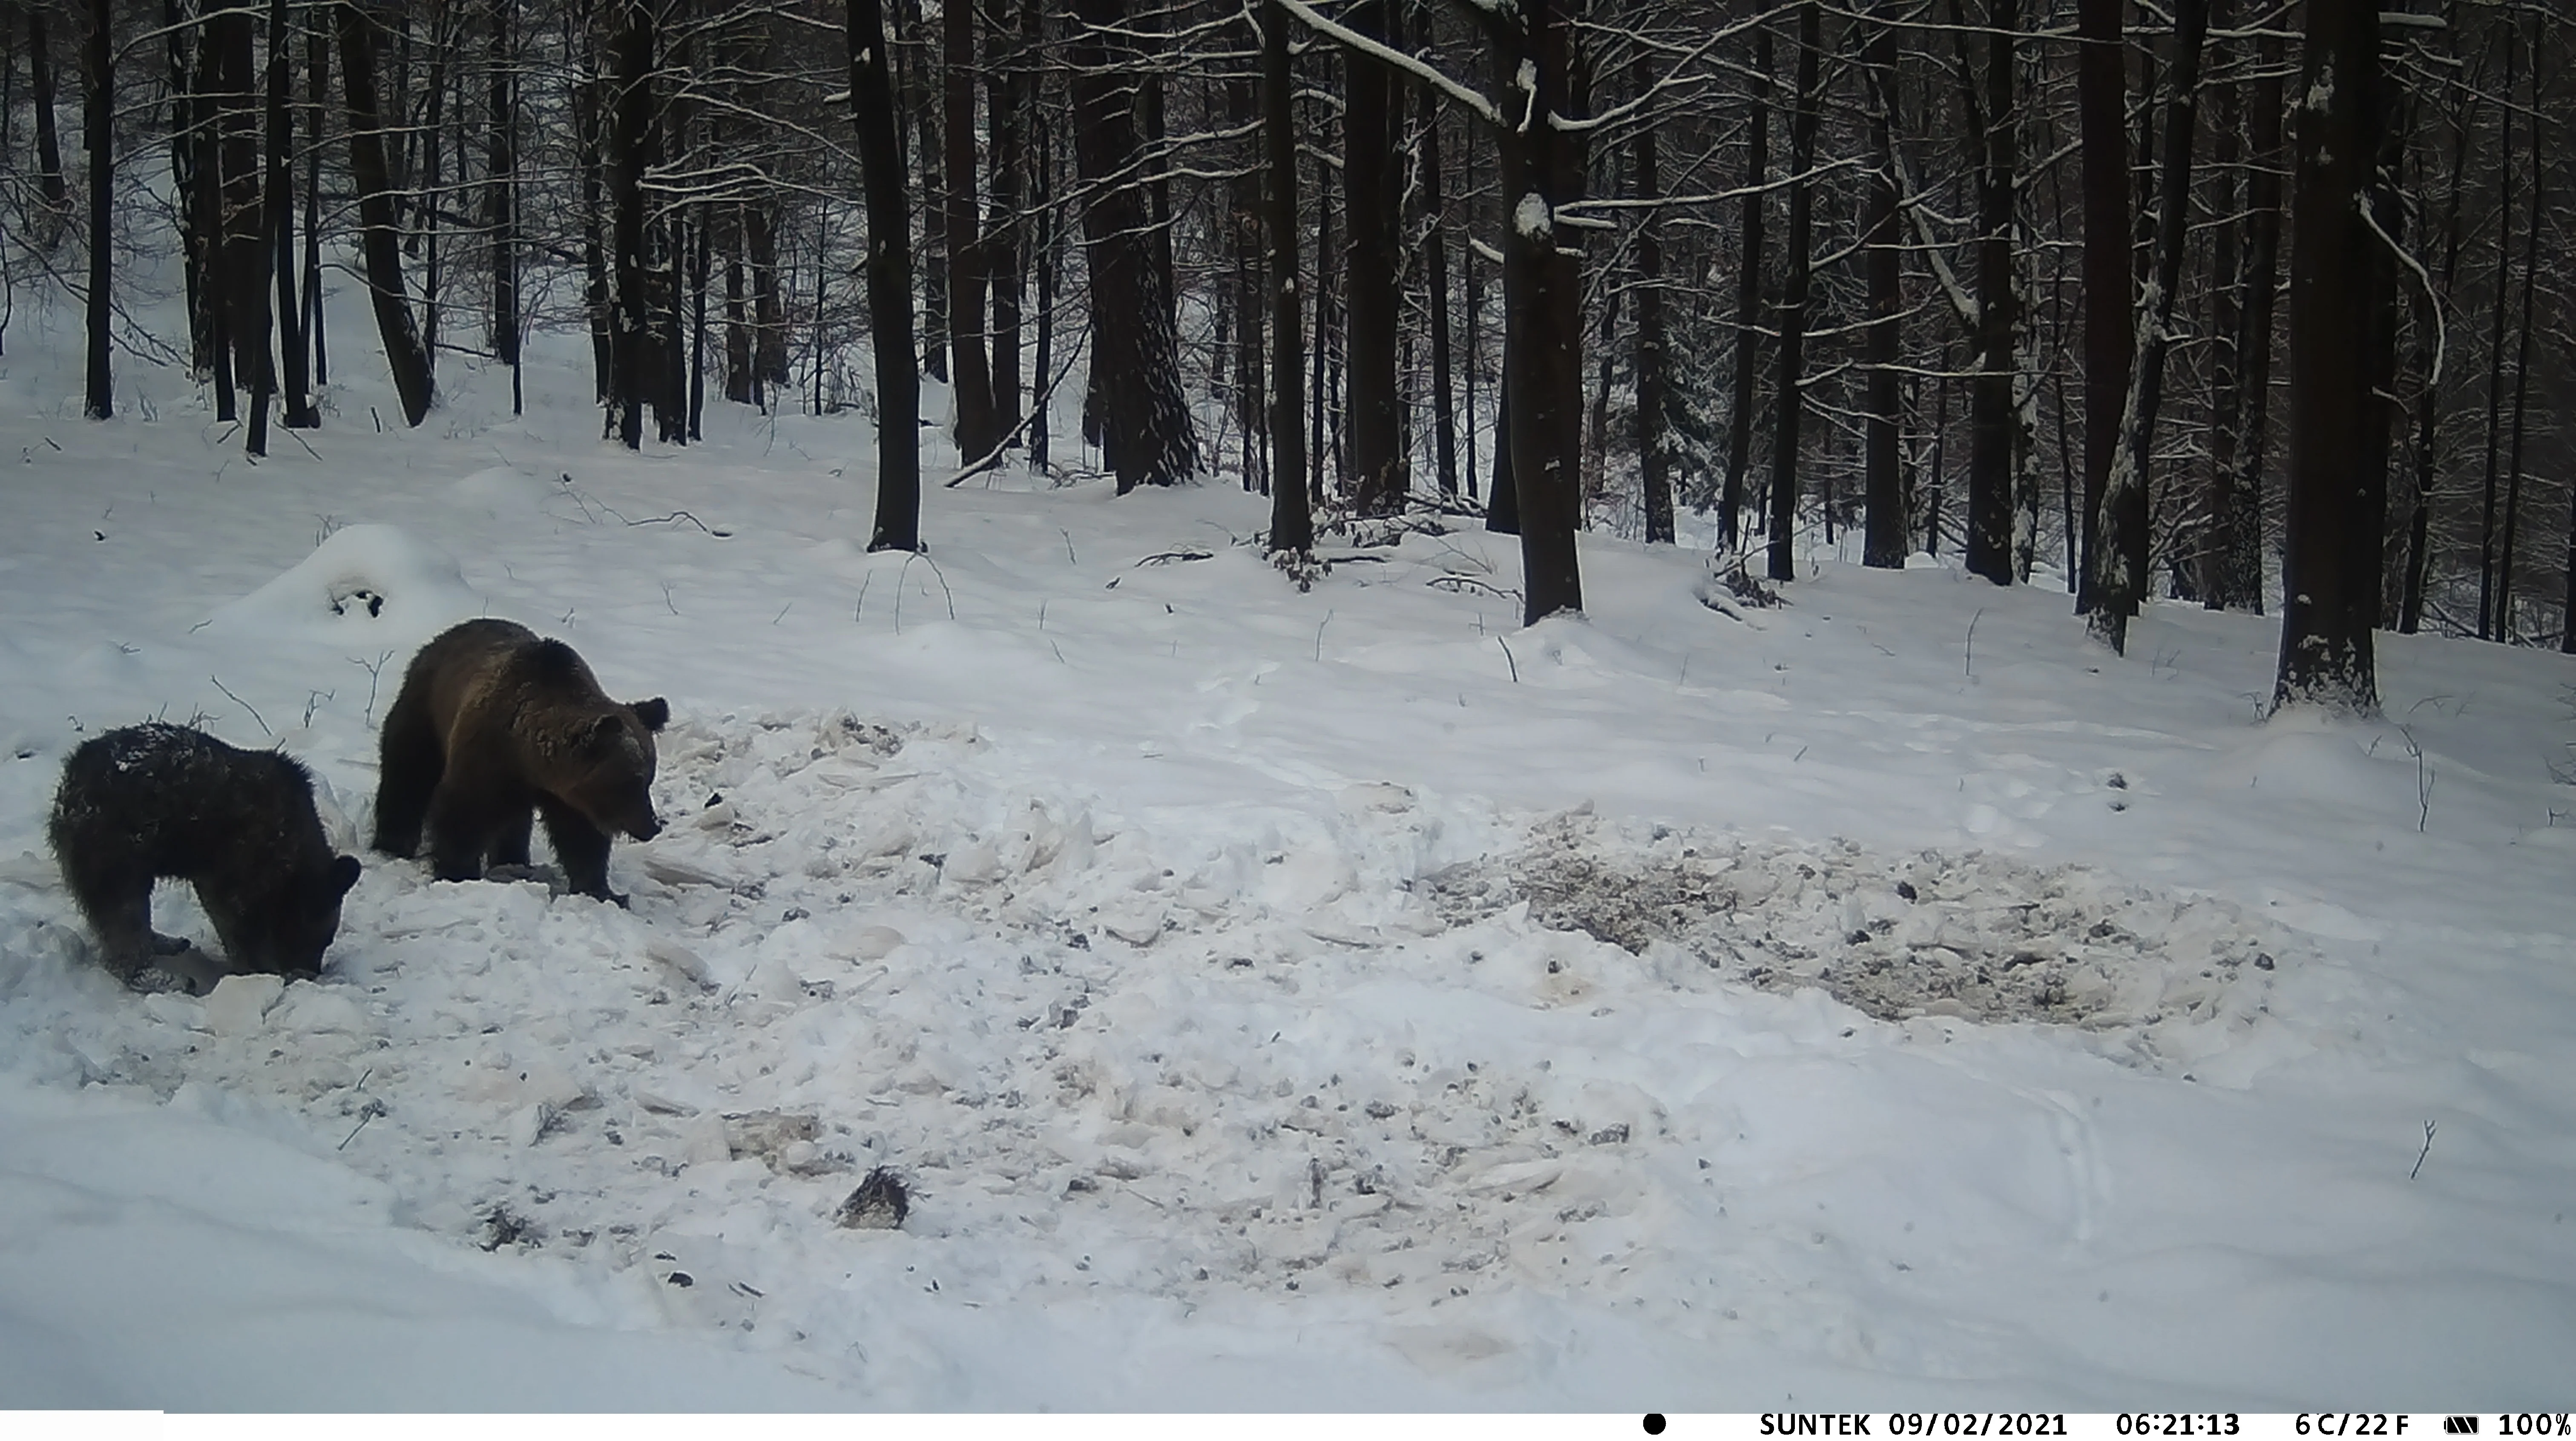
(1969, 936)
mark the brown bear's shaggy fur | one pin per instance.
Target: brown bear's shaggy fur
(494, 724)
(150, 801)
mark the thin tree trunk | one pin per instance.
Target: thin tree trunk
(2331, 563)
(1792, 395)
(1748, 293)
(588, 118)
(2226, 332)
(1370, 296)
(1654, 456)
(889, 267)
(502, 207)
(2262, 289)
(970, 359)
(2521, 368)
(1050, 239)
(297, 409)
(49, 145)
(98, 126)
(1990, 460)
(381, 248)
(2110, 336)
(1292, 525)
(921, 111)
(1008, 95)
(630, 112)
(2495, 347)
(1146, 433)
(1435, 263)
(1883, 542)
(2120, 582)
(317, 104)
(246, 255)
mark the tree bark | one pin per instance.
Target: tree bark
(1370, 297)
(630, 325)
(1654, 456)
(978, 431)
(380, 246)
(49, 145)
(1992, 426)
(297, 405)
(1792, 395)
(98, 127)
(1748, 293)
(2101, 80)
(1543, 331)
(2262, 289)
(502, 204)
(1146, 433)
(1292, 525)
(2120, 565)
(2331, 558)
(1435, 264)
(2521, 368)
(1885, 528)
(317, 101)
(1010, 94)
(889, 267)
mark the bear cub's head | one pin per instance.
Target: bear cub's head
(612, 783)
(290, 932)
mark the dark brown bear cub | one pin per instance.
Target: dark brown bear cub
(493, 726)
(150, 801)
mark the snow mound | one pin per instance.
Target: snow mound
(370, 581)
(1969, 936)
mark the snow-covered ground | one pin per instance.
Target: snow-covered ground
(1272, 1000)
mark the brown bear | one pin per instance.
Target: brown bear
(493, 725)
(157, 800)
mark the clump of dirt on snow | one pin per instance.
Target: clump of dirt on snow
(1966, 935)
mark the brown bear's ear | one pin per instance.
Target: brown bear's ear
(654, 713)
(344, 874)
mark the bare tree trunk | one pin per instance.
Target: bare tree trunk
(1543, 335)
(297, 409)
(1883, 541)
(1292, 525)
(317, 103)
(1435, 264)
(502, 206)
(98, 125)
(1135, 358)
(1792, 396)
(2331, 563)
(630, 327)
(1373, 302)
(1654, 455)
(382, 249)
(2262, 288)
(2226, 334)
(2120, 581)
(1990, 460)
(2101, 80)
(921, 111)
(1050, 241)
(1009, 93)
(889, 265)
(978, 432)
(2521, 365)
(2495, 347)
(588, 118)
(49, 145)
(1748, 293)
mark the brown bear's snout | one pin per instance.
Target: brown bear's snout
(646, 828)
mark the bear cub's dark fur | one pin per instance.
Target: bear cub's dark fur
(154, 801)
(494, 726)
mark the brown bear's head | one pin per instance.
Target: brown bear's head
(290, 933)
(613, 782)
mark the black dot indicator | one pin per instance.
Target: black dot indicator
(1654, 1423)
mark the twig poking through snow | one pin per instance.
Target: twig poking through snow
(2420, 1155)
(1507, 659)
(1319, 634)
(1968, 667)
(375, 674)
(245, 705)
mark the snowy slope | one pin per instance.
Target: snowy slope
(1274, 1001)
